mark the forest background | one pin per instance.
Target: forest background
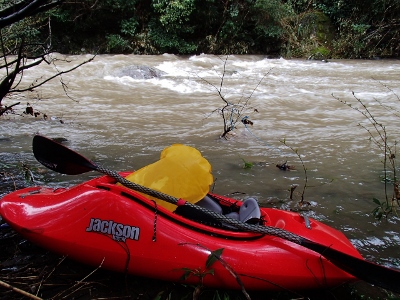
(290, 28)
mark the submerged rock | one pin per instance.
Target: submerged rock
(60, 140)
(140, 72)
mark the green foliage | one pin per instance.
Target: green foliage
(173, 15)
(269, 15)
(250, 26)
(360, 28)
(213, 257)
(26, 31)
(104, 26)
(60, 15)
(366, 28)
(118, 6)
(320, 52)
(310, 35)
(198, 272)
(170, 42)
(383, 208)
(300, 6)
(129, 27)
(292, 27)
(171, 28)
(247, 164)
(116, 43)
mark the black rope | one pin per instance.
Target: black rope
(155, 221)
(223, 219)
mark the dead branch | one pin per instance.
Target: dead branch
(17, 290)
(231, 112)
(5, 109)
(33, 86)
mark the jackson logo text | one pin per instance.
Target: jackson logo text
(119, 232)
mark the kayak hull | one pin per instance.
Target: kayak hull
(100, 223)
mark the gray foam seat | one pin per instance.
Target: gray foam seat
(248, 210)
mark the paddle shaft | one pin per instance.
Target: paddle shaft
(64, 160)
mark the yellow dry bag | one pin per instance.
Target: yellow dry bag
(181, 172)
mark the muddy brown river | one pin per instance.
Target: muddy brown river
(297, 113)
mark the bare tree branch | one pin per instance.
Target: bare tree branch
(5, 109)
(24, 9)
(25, 55)
(9, 79)
(33, 86)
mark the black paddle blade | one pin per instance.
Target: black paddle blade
(370, 272)
(59, 158)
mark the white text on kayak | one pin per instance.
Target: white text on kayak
(119, 232)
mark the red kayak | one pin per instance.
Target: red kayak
(101, 223)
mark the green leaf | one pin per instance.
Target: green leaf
(213, 257)
(377, 213)
(210, 271)
(158, 296)
(247, 165)
(185, 274)
(216, 295)
(376, 201)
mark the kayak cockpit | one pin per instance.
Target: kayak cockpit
(292, 221)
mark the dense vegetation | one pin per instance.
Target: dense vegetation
(291, 28)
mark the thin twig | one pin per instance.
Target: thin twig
(78, 283)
